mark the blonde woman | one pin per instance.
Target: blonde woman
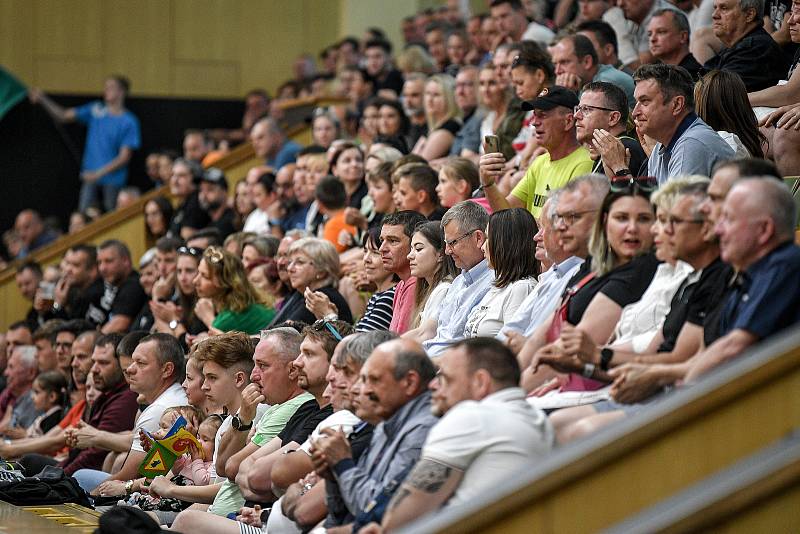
(443, 116)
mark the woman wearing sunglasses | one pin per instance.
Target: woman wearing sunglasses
(617, 272)
(179, 318)
(227, 300)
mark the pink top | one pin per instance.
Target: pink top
(402, 305)
(194, 470)
(484, 202)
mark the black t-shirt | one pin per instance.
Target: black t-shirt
(693, 301)
(393, 81)
(294, 308)
(623, 285)
(756, 57)
(437, 214)
(638, 163)
(416, 131)
(225, 224)
(303, 422)
(358, 195)
(189, 214)
(126, 299)
(78, 300)
(451, 125)
(692, 65)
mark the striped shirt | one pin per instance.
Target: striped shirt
(378, 314)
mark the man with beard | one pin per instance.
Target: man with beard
(214, 201)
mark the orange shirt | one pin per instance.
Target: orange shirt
(333, 227)
(73, 415)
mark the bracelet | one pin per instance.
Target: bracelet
(588, 370)
(487, 186)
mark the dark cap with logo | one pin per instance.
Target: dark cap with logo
(215, 176)
(551, 97)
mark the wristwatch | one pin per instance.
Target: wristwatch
(606, 355)
(128, 487)
(623, 172)
(331, 317)
(236, 424)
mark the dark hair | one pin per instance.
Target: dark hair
(434, 234)
(76, 326)
(404, 122)
(267, 181)
(419, 362)
(372, 237)
(321, 331)
(195, 168)
(583, 47)
(168, 244)
(48, 331)
(112, 339)
(394, 141)
(129, 342)
(377, 42)
(54, 382)
(493, 356)
(349, 40)
(164, 208)
(408, 219)
(615, 97)
(511, 246)
(311, 149)
(120, 247)
(341, 149)
(330, 193)
(89, 250)
(602, 30)
(672, 81)
(750, 167)
(516, 5)
(382, 173)
(168, 349)
(533, 58)
(421, 177)
(123, 82)
(16, 325)
(30, 265)
(211, 233)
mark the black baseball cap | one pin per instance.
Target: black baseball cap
(551, 97)
(215, 176)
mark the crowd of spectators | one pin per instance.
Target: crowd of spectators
(525, 226)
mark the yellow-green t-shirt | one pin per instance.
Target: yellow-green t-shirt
(544, 175)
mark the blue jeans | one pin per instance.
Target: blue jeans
(89, 479)
(89, 193)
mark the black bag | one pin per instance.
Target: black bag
(50, 486)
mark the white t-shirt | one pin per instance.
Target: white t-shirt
(434, 302)
(497, 306)
(489, 440)
(539, 33)
(151, 416)
(257, 222)
(343, 420)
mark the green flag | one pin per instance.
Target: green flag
(12, 91)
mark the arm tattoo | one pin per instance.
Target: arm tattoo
(429, 476)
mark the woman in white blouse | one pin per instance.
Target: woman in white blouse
(511, 250)
(434, 270)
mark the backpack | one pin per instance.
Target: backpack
(50, 486)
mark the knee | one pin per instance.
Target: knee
(187, 519)
(576, 430)
(785, 142)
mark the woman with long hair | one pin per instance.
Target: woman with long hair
(347, 164)
(443, 116)
(720, 99)
(378, 312)
(325, 128)
(157, 218)
(494, 96)
(511, 252)
(227, 300)
(179, 318)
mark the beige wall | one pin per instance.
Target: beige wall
(202, 48)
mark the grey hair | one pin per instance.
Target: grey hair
(322, 254)
(666, 195)
(287, 342)
(27, 355)
(776, 201)
(416, 76)
(359, 346)
(679, 20)
(598, 186)
(419, 362)
(271, 124)
(469, 216)
(758, 5)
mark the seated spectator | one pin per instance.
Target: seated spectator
(414, 107)
(392, 119)
(464, 237)
(258, 248)
(16, 401)
(565, 158)
(617, 273)
(531, 72)
(205, 238)
(514, 264)
(494, 98)
(415, 190)
(466, 94)
(601, 121)
(378, 63)
(292, 209)
(270, 144)
(313, 271)
(17, 335)
(434, 271)
(114, 309)
(347, 164)
(213, 199)
(715, 95)
(390, 454)
(325, 128)
(78, 220)
(157, 217)
(242, 204)
(604, 40)
(79, 284)
(234, 243)
(177, 317)
(27, 279)
(749, 50)
(513, 24)
(262, 194)
(396, 232)
(331, 198)
(189, 216)
(507, 433)
(127, 196)
(226, 299)
(435, 37)
(458, 181)
(44, 339)
(685, 145)
(456, 47)
(442, 116)
(196, 145)
(50, 398)
(576, 64)
(669, 34)
(378, 312)
(379, 190)
(632, 29)
(155, 374)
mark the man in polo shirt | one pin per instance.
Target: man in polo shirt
(486, 434)
(464, 225)
(396, 231)
(565, 157)
(665, 112)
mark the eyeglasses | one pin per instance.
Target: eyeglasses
(191, 251)
(585, 109)
(214, 254)
(298, 262)
(322, 323)
(634, 185)
(452, 243)
(571, 217)
(672, 221)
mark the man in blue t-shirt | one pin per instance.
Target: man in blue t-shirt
(113, 134)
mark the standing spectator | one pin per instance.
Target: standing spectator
(113, 310)
(113, 135)
(31, 232)
(669, 33)
(270, 144)
(396, 232)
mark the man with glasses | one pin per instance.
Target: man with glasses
(564, 159)
(464, 228)
(601, 121)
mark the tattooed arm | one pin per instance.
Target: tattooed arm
(427, 487)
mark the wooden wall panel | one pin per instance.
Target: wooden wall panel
(16, 29)
(69, 29)
(206, 78)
